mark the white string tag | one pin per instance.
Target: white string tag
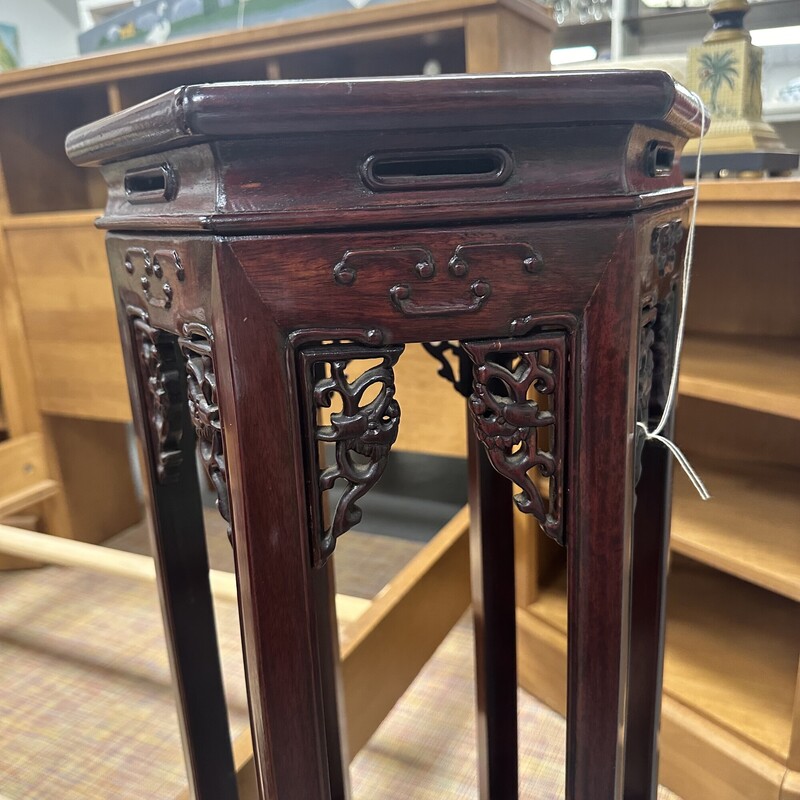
(655, 434)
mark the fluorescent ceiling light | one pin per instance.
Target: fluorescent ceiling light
(572, 55)
(766, 37)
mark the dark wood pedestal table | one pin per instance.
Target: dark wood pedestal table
(273, 246)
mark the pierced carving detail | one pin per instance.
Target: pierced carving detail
(664, 242)
(518, 433)
(439, 350)
(656, 354)
(160, 377)
(201, 381)
(363, 432)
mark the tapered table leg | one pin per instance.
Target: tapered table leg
(157, 383)
(285, 599)
(599, 541)
(330, 676)
(648, 616)
(494, 610)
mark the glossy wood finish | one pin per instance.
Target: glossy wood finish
(318, 275)
(177, 537)
(493, 603)
(598, 552)
(58, 320)
(650, 559)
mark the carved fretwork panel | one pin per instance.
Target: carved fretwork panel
(160, 377)
(518, 408)
(201, 382)
(455, 365)
(656, 356)
(363, 425)
(664, 243)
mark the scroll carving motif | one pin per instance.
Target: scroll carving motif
(201, 380)
(664, 243)
(656, 355)
(363, 431)
(416, 264)
(158, 273)
(462, 381)
(513, 380)
(160, 377)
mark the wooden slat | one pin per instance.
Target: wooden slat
(15, 369)
(67, 553)
(762, 374)
(790, 790)
(750, 528)
(371, 23)
(49, 220)
(505, 42)
(730, 656)
(793, 762)
(404, 625)
(699, 760)
(433, 412)
(727, 299)
(22, 464)
(27, 498)
(720, 432)
(69, 317)
(748, 203)
(542, 659)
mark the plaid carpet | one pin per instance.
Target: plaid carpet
(86, 710)
(425, 749)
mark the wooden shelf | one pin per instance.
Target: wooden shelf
(373, 23)
(51, 219)
(750, 203)
(728, 658)
(750, 528)
(762, 374)
(25, 498)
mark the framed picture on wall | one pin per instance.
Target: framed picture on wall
(9, 47)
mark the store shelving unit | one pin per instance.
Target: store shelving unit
(731, 718)
(642, 30)
(59, 343)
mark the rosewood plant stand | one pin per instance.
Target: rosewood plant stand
(273, 246)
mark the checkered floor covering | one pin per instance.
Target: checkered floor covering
(86, 711)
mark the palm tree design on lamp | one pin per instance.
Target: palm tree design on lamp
(754, 82)
(714, 70)
(7, 60)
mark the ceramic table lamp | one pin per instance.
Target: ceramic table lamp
(725, 70)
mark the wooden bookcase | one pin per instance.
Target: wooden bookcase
(731, 716)
(59, 347)
(59, 344)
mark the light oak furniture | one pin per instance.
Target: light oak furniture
(731, 713)
(60, 363)
(537, 220)
(50, 207)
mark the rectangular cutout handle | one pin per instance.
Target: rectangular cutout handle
(437, 169)
(157, 184)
